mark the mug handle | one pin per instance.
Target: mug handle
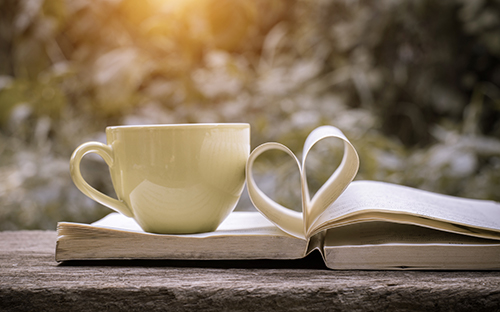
(106, 153)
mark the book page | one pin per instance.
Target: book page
(292, 222)
(237, 223)
(380, 232)
(298, 224)
(362, 196)
(337, 182)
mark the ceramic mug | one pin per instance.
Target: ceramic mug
(177, 179)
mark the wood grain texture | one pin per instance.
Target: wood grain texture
(30, 279)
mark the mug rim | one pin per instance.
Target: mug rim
(178, 126)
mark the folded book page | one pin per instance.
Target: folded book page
(292, 222)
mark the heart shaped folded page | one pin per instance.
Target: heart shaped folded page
(302, 224)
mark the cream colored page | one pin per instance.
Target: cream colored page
(375, 233)
(237, 223)
(118, 221)
(337, 182)
(370, 195)
(292, 222)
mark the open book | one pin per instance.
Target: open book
(355, 225)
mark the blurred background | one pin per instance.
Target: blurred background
(415, 86)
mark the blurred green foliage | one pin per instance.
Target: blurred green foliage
(414, 84)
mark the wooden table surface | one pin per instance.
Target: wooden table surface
(31, 280)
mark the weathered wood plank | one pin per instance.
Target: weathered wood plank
(30, 279)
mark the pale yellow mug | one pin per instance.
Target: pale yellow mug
(179, 178)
